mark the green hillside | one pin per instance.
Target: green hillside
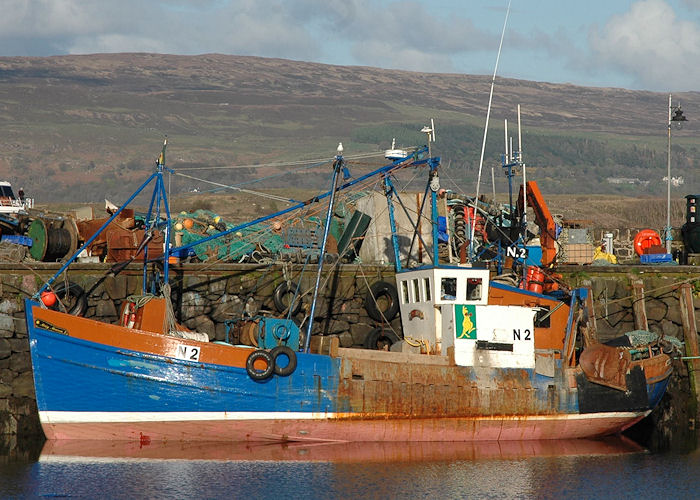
(83, 128)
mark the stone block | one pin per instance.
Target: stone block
(9, 307)
(194, 304)
(133, 285)
(5, 391)
(359, 332)
(346, 339)
(196, 283)
(29, 284)
(105, 309)
(20, 362)
(20, 325)
(204, 324)
(230, 306)
(115, 286)
(670, 329)
(7, 376)
(217, 287)
(23, 385)
(338, 326)
(5, 348)
(220, 331)
(656, 310)
(7, 323)
(19, 345)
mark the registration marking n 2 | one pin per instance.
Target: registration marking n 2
(188, 352)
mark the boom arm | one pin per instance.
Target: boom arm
(544, 220)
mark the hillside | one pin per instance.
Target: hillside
(83, 128)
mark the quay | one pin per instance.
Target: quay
(664, 299)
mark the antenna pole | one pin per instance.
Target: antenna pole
(522, 163)
(486, 128)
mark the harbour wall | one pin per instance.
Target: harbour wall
(207, 297)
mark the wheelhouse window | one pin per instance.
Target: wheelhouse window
(474, 289)
(404, 292)
(426, 284)
(448, 289)
(416, 290)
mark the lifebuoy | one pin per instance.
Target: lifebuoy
(283, 296)
(73, 298)
(256, 373)
(380, 339)
(646, 238)
(128, 315)
(283, 350)
(382, 289)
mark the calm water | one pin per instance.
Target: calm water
(567, 469)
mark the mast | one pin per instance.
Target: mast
(337, 166)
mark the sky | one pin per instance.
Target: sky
(634, 44)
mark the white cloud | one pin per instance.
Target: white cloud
(652, 45)
(397, 34)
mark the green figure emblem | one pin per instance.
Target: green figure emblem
(465, 319)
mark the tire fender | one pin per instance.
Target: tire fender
(255, 373)
(377, 290)
(283, 350)
(63, 290)
(283, 289)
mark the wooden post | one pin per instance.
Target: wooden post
(591, 331)
(638, 307)
(690, 336)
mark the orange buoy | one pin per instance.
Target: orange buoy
(535, 279)
(646, 238)
(188, 223)
(48, 298)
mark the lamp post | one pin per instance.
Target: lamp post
(675, 115)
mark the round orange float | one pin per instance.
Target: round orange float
(646, 238)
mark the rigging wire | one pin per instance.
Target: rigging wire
(283, 164)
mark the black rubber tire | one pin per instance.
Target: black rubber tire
(379, 338)
(281, 292)
(254, 373)
(283, 350)
(376, 291)
(72, 296)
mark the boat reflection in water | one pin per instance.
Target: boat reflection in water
(353, 452)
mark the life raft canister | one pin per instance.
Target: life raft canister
(646, 238)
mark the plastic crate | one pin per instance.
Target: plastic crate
(655, 258)
(17, 239)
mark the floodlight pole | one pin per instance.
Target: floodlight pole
(668, 236)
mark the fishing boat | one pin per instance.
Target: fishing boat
(482, 359)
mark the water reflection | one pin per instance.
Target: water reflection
(610, 467)
(57, 451)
